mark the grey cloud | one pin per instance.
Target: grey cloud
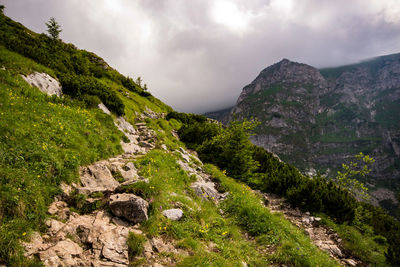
(194, 63)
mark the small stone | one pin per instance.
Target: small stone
(173, 214)
(66, 189)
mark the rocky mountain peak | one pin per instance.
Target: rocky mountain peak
(288, 75)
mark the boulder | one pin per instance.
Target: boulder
(173, 214)
(129, 206)
(44, 82)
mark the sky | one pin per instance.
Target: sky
(197, 55)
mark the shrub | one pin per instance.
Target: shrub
(91, 101)
(80, 87)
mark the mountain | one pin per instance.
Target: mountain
(95, 171)
(318, 119)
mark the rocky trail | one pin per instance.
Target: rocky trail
(323, 237)
(99, 237)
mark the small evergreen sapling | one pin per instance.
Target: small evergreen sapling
(53, 28)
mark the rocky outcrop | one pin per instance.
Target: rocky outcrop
(83, 240)
(44, 82)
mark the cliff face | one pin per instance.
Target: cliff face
(317, 119)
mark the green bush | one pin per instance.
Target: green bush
(186, 118)
(80, 87)
(91, 101)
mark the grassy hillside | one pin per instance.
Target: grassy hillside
(44, 140)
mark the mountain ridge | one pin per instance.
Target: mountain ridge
(306, 112)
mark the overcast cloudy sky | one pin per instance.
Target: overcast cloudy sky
(197, 55)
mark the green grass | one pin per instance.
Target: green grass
(43, 141)
(293, 247)
(19, 64)
(203, 223)
(135, 245)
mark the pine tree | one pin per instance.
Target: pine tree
(53, 28)
(139, 81)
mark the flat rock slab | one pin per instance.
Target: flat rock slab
(44, 82)
(205, 190)
(129, 207)
(97, 178)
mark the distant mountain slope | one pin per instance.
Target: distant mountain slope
(220, 115)
(317, 119)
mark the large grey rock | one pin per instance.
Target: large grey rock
(173, 214)
(44, 82)
(130, 207)
(125, 126)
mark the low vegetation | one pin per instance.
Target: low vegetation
(211, 237)
(228, 145)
